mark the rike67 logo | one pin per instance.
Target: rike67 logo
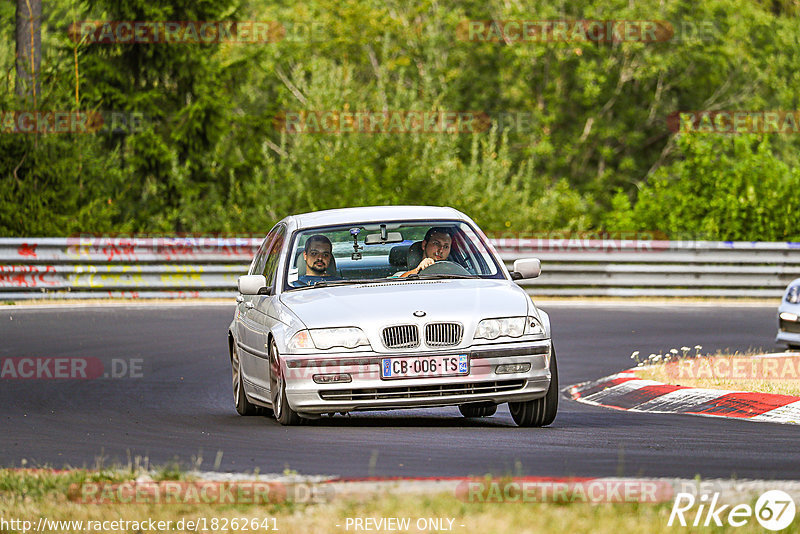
(774, 510)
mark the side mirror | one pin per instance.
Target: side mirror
(252, 284)
(526, 268)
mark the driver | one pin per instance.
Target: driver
(435, 247)
(317, 255)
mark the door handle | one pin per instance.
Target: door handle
(249, 305)
(239, 299)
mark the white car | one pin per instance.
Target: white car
(379, 308)
(789, 316)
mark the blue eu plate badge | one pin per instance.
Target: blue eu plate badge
(387, 367)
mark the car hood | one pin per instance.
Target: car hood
(382, 303)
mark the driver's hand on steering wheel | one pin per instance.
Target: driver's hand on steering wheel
(425, 263)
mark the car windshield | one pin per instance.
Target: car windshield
(365, 252)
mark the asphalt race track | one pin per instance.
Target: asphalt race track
(181, 408)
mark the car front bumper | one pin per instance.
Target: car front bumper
(788, 338)
(368, 391)
(788, 331)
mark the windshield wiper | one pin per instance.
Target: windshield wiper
(450, 276)
(350, 281)
(423, 276)
(331, 283)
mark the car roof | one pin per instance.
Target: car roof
(374, 213)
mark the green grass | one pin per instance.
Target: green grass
(32, 494)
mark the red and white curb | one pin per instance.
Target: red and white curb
(625, 391)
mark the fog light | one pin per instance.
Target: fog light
(508, 368)
(332, 379)
(788, 316)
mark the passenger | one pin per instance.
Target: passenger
(435, 247)
(317, 255)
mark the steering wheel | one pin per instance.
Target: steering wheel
(444, 267)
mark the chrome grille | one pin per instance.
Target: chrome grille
(443, 334)
(401, 337)
(410, 392)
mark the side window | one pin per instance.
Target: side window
(273, 256)
(257, 267)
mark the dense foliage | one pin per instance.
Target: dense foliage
(198, 147)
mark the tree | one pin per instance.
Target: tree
(29, 47)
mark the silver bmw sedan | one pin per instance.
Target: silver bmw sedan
(386, 307)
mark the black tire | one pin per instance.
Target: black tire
(243, 406)
(477, 410)
(539, 412)
(280, 406)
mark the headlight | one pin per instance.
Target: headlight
(508, 327)
(793, 295)
(326, 338)
(301, 340)
(349, 338)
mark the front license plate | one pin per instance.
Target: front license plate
(425, 366)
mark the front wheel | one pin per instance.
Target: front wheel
(277, 382)
(539, 412)
(243, 406)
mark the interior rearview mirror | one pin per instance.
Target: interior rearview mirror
(390, 237)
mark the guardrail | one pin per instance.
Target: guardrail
(181, 267)
(633, 268)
